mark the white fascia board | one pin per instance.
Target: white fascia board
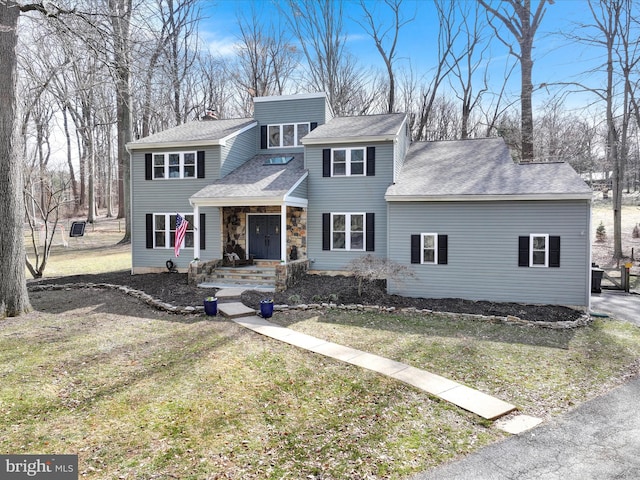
(173, 145)
(485, 198)
(223, 140)
(280, 98)
(296, 202)
(235, 201)
(346, 140)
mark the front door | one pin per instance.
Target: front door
(264, 236)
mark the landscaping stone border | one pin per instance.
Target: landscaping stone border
(167, 307)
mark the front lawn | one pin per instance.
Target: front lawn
(141, 394)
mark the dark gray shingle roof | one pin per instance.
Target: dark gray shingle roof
(253, 179)
(199, 131)
(386, 125)
(481, 167)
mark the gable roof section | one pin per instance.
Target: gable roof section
(254, 183)
(480, 169)
(365, 128)
(194, 134)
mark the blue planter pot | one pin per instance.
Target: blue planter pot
(211, 307)
(266, 308)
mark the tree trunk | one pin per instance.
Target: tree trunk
(526, 65)
(14, 299)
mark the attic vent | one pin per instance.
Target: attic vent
(277, 160)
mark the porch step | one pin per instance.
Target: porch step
(263, 276)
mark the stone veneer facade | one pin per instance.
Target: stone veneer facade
(234, 227)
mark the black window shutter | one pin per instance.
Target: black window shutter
(203, 235)
(371, 161)
(263, 137)
(443, 249)
(326, 162)
(326, 231)
(313, 126)
(415, 248)
(371, 232)
(554, 251)
(149, 230)
(200, 164)
(148, 166)
(523, 251)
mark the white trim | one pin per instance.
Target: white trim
(347, 232)
(181, 165)
(546, 250)
(347, 162)
(487, 198)
(196, 228)
(281, 98)
(435, 249)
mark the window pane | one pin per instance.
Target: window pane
(538, 258)
(357, 155)
(160, 222)
(339, 223)
(189, 159)
(357, 241)
(538, 243)
(429, 256)
(174, 159)
(274, 136)
(160, 239)
(188, 239)
(357, 168)
(340, 169)
(357, 223)
(189, 171)
(339, 156)
(158, 172)
(158, 160)
(338, 240)
(172, 223)
(288, 135)
(303, 129)
(429, 241)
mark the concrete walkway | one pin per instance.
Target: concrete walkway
(467, 398)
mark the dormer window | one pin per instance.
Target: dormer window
(286, 135)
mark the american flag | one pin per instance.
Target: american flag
(181, 229)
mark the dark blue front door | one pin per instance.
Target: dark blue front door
(264, 236)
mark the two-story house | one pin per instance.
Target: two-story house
(297, 184)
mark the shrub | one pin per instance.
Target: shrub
(601, 233)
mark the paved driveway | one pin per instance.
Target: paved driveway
(598, 440)
(624, 306)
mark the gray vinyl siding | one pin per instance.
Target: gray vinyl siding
(302, 190)
(238, 150)
(167, 196)
(346, 195)
(483, 250)
(290, 111)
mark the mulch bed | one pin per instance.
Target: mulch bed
(173, 288)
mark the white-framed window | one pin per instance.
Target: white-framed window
(348, 162)
(174, 165)
(429, 248)
(348, 231)
(539, 250)
(164, 230)
(286, 135)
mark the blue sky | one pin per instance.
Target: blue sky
(555, 59)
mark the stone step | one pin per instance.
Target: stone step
(235, 310)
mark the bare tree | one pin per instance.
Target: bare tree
(386, 40)
(522, 23)
(318, 26)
